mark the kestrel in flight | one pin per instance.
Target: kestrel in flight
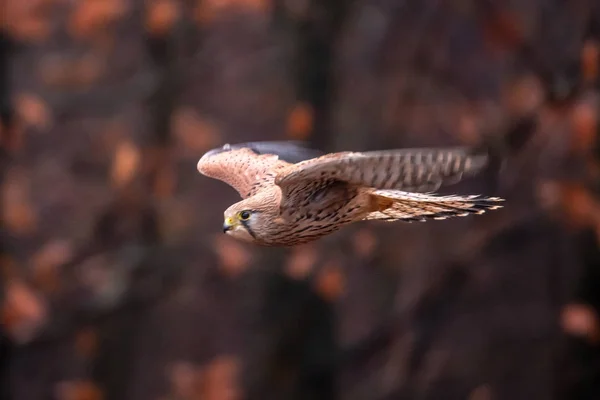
(293, 195)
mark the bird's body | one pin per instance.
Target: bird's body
(292, 195)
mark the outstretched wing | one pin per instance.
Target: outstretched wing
(410, 170)
(248, 167)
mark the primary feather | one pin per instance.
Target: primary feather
(394, 205)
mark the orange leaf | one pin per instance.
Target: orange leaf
(234, 256)
(581, 320)
(330, 281)
(86, 342)
(549, 195)
(503, 29)
(185, 380)
(579, 205)
(27, 20)
(161, 15)
(11, 137)
(87, 70)
(220, 379)
(195, 134)
(206, 10)
(524, 95)
(17, 211)
(33, 111)
(301, 261)
(58, 70)
(93, 17)
(590, 60)
(23, 311)
(9, 268)
(46, 262)
(573, 202)
(482, 392)
(365, 242)
(125, 163)
(179, 215)
(55, 70)
(468, 128)
(300, 122)
(585, 122)
(78, 390)
(164, 184)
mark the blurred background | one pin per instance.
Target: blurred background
(117, 282)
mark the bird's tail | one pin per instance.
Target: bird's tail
(394, 205)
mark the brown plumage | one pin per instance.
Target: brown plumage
(293, 195)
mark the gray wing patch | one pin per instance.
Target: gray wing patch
(288, 151)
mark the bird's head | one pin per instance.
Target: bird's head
(249, 220)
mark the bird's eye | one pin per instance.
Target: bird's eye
(244, 215)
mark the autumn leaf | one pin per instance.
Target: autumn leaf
(573, 202)
(584, 119)
(87, 70)
(590, 61)
(78, 390)
(482, 392)
(185, 380)
(549, 195)
(27, 20)
(86, 342)
(581, 320)
(301, 261)
(579, 205)
(234, 257)
(178, 216)
(468, 128)
(46, 261)
(161, 15)
(23, 311)
(61, 71)
(90, 18)
(330, 281)
(18, 212)
(194, 133)
(523, 95)
(11, 136)
(220, 379)
(33, 111)
(364, 242)
(504, 30)
(126, 163)
(300, 122)
(206, 10)
(165, 181)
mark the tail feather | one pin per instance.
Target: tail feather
(393, 205)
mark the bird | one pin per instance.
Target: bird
(293, 194)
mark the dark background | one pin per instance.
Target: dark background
(117, 282)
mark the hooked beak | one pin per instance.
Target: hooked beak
(228, 224)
